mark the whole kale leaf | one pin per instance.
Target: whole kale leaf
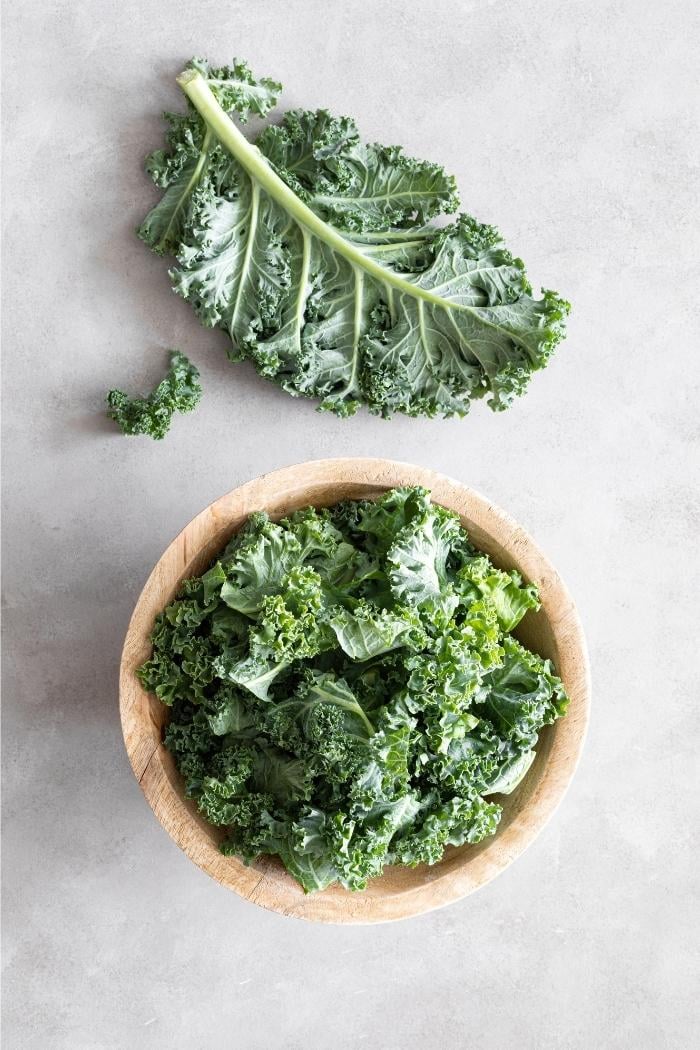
(344, 689)
(322, 259)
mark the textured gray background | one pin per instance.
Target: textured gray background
(570, 126)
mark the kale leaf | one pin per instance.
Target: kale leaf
(321, 258)
(344, 689)
(180, 391)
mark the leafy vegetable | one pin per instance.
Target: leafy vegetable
(344, 689)
(318, 255)
(180, 391)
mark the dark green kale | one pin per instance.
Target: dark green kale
(344, 689)
(180, 391)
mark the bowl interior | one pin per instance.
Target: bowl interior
(399, 891)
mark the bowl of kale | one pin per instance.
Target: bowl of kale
(354, 690)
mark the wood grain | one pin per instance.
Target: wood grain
(554, 631)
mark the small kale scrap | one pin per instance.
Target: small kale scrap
(180, 391)
(344, 689)
(321, 258)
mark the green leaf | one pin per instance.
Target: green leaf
(319, 691)
(449, 823)
(255, 562)
(229, 628)
(317, 255)
(308, 856)
(511, 774)
(194, 160)
(212, 582)
(163, 675)
(522, 695)
(376, 523)
(290, 625)
(230, 716)
(237, 90)
(368, 632)
(318, 537)
(417, 561)
(180, 391)
(354, 186)
(254, 673)
(470, 763)
(505, 590)
(179, 172)
(227, 779)
(280, 775)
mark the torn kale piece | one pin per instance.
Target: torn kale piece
(180, 391)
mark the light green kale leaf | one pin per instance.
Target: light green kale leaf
(291, 625)
(446, 823)
(352, 185)
(504, 590)
(318, 255)
(255, 563)
(367, 632)
(521, 696)
(418, 562)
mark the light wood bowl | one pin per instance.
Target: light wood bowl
(554, 631)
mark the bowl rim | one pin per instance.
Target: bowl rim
(264, 882)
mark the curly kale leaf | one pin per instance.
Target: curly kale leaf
(449, 823)
(325, 703)
(521, 695)
(352, 185)
(237, 90)
(193, 156)
(255, 563)
(180, 391)
(505, 590)
(344, 690)
(320, 257)
(366, 631)
(418, 559)
(290, 624)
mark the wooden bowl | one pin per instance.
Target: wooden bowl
(554, 631)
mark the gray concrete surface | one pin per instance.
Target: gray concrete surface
(573, 127)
